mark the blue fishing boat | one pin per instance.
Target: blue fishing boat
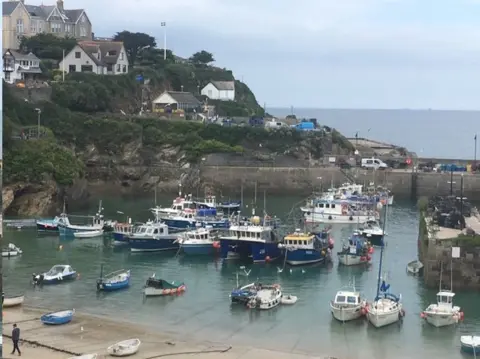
(229, 206)
(243, 294)
(121, 231)
(66, 228)
(113, 281)
(58, 318)
(189, 219)
(47, 225)
(251, 239)
(307, 248)
(356, 251)
(59, 273)
(152, 237)
(199, 241)
(470, 344)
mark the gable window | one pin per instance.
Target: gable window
(121, 57)
(112, 53)
(19, 26)
(78, 54)
(124, 68)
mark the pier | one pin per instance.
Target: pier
(88, 334)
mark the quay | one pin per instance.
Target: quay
(88, 334)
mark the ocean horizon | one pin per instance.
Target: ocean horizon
(429, 133)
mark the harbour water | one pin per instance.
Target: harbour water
(204, 311)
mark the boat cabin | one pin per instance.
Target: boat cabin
(445, 299)
(250, 233)
(188, 214)
(299, 240)
(199, 234)
(125, 228)
(59, 269)
(347, 298)
(151, 229)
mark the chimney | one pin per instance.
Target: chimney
(60, 5)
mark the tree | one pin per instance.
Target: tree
(152, 56)
(134, 42)
(202, 58)
(47, 46)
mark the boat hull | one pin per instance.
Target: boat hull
(304, 256)
(157, 292)
(440, 319)
(374, 239)
(47, 226)
(346, 314)
(69, 231)
(10, 253)
(470, 344)
(311, 217)
(119, 239)
(257, 251)
(166, 243)
(13, 301)
(110, 287)
(351, 260)
(183, 224)
(198, 249)
(388, 313)
(58, 280)
(56, 319)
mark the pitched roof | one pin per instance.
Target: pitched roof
(224, 85)
(8, 7)
(183, 97)
(39, 11)
(19, 56)
(74, 14)
(91, 48)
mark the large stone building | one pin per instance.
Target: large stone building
(20, 19)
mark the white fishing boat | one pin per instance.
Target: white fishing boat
(86, 356)
(88, 234)
(11, 251)
(356, 252)
(337, 211)
(66, 228)
(289, 299)
(372, 231)
(179, 205)
(348, 305)
(57, 274)
(124, 348)
(415, 267)
(267, 297)
(12, 301)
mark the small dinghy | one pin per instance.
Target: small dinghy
(124, 348)
(12, 301)
(415, 267)
(11, 251)
(58, 318)
(157, 287)
(289, 299)
(88, 234)
(86, 356)
(470, 344)
(57, 274)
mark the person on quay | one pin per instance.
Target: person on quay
(15, 339)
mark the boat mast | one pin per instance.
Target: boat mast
(241, 196)
(441, 272)
(255, 195)
(381, 254)
(155, 194)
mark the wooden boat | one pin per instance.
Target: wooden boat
(88, 234)
(58, 318)
(12, 301)
(11, 251)
(124, 348)
(119, 279)
(415, 267)
(57, 274)
(157, 287)
(470, 344)
(289, 299)
(86, 356)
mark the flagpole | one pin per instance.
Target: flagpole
(475, 154)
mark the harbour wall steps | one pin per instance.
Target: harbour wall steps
(290, 180)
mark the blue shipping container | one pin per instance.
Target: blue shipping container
(305, 126)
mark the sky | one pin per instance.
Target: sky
(391, 54)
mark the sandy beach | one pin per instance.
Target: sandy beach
(88, 334)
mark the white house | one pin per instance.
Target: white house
(99, 57)
(220, 90)
(20, 67)
(175, 102)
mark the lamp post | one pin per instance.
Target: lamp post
(164, 25)
(475, 151)
(181, 87)
(39, 112)
(451, 182)
(461, 201)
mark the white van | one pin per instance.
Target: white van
(373, 163)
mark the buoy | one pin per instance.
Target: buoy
(369, 258)
(60, 247)
(267, 259)
(363, 259)
(422, 315)
(370, 250)
(364, 311)
(462, 315)
(216, 244)
(323, 253)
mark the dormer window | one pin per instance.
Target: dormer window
(112, 53)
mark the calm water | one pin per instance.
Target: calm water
(440, 134)
(204, 311)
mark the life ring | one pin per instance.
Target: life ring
(350, 218)
(330, 217)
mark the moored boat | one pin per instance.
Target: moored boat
(337, 211)
(66, 228)
(189, 219)
(86, 356)
(58, 318)
(124, 348)
(307, 248)
(267, 297)
(372, 231)
(11, 251)
(356, 252)
(289, 299)
(152, 237)
(443, 313)
(47, 225)
(12, 301)
(198, 242)
(119, 279)
(57, 274)
(348, 305)
(470, 344)
(88, 234)
(121, 231)
(159, 287)
(229, 206)
(415, 267)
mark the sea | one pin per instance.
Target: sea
(204, 311)
(428, 133)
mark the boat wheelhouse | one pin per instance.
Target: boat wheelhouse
(179, 205)
(121, 231)
(198, 241)
(348, 305)
(337, 211)
(357, 251)
(372, 231)
(307, 248)
(443, 313)
(152, 237)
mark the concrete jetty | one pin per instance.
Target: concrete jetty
(88, 334)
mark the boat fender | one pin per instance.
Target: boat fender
(351, 218)
(330, 217)
(308, 213)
